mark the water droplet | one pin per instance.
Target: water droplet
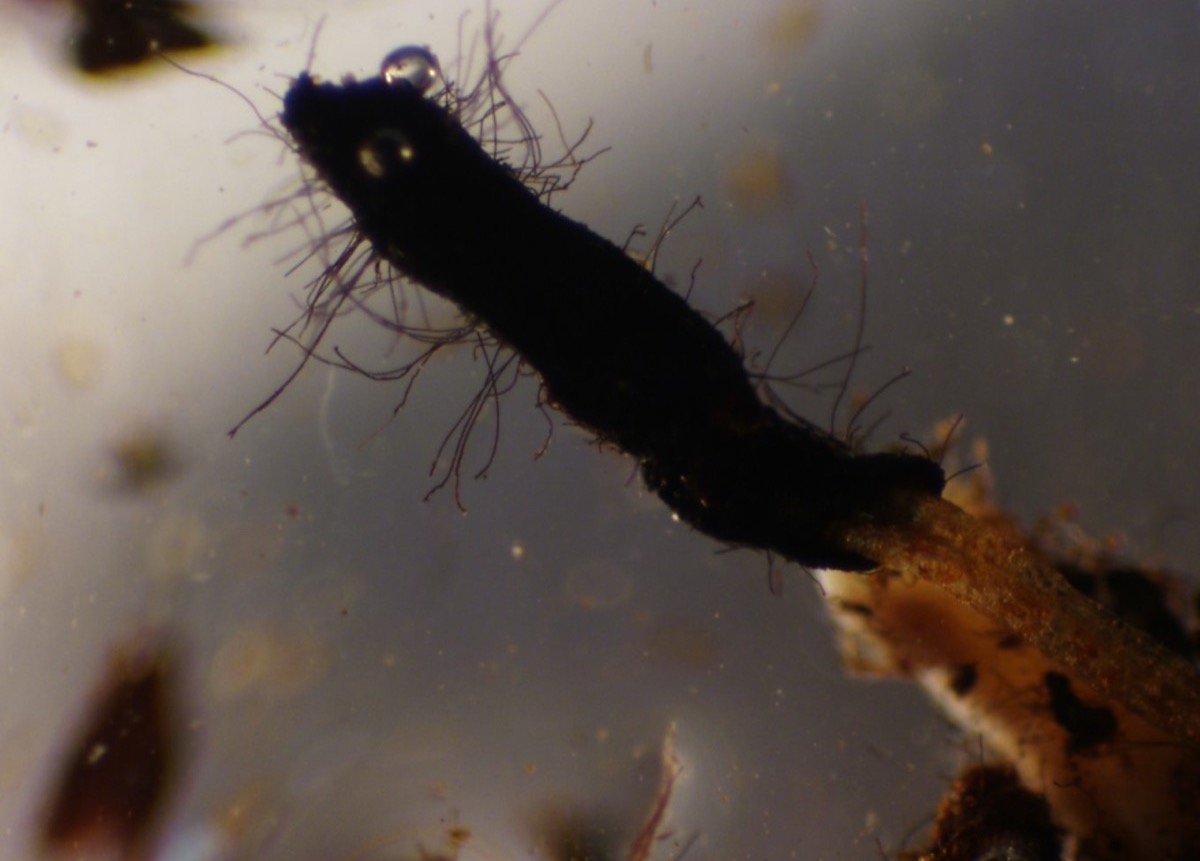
(413, 65)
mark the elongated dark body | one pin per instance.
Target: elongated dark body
(617, 349)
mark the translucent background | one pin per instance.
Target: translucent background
(362, 666)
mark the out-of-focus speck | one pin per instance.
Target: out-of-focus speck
(1008, 319)
(80, 362)
(685, 643)
(39, 129)
(517, 551)
(177, 546)
(23, 545)
(778, 295)
(598, 585)
(144, 460)
(986, 148)
(120, 767)
(911, 97)
(1115, 350)
(756, 181)
(794, 25)
(270, 664)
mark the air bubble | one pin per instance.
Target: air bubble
(413, 65)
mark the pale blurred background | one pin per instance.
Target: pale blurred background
(361, 667)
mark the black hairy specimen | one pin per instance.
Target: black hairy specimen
(615, 348)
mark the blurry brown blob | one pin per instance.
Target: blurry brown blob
(685, 643)
(794, 26)
(1114, 351)
(144, 460)
(117, 34)
(576, 833)
(271, 664)
(120, 767)
(80, 362)
(988, 814)
(757, 181)
(912, 97)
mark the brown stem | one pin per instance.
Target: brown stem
(983, 567)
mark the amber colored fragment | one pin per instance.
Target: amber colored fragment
(118, 769)
(990, 571)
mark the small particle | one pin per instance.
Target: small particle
(517, 551)
(792, 28)
(81, 362)
(1008, 319)
(647, 61)
(986, 148)
(531, 768)
(293, 511)
(757, 181)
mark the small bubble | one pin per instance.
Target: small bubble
(413, 65)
